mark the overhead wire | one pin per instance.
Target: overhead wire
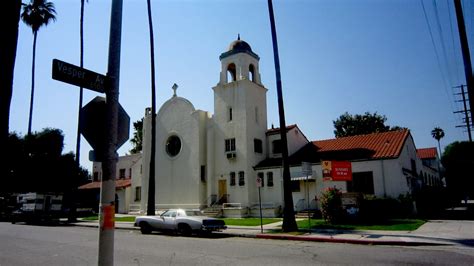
(437, 57)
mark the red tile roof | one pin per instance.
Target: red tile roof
(382, 145)
(427, 153)
(119, 183)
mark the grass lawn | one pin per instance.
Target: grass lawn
(390, 225)
(249, 221)
(117, 219)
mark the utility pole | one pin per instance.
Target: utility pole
(465, 53)
(107, 192)
(465, 111)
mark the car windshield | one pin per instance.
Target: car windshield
(193, 213)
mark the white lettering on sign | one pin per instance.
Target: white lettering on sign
(71, 71)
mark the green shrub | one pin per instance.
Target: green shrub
(331, 205)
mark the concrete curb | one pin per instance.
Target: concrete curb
(348, 240)
(313, 238)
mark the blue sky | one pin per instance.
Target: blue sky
(335, 56)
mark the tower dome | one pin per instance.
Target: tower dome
(239, 46)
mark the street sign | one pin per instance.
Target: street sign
(93, 124)
(306, 168)
(259, 182)
(78, 76)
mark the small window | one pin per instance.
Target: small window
(232, 178)
(362, 182)
(276, 146)
(295, 186)
(230, 114)
(270, 179)
(122, 173)
(257, 144)
(130, 171)
(262, 178)
(138, 193)
(241, 179)
(229, 145)
(203, 173)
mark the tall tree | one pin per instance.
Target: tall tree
(458, 160)
(289, 222)
(438, 133)
(137, 139)
(352, 125)
(36, 14)
(151, 180)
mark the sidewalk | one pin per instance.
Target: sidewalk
(435, 232)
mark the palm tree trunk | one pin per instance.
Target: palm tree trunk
(289, 222)
(8, 46)
(151, 180)
(32, 83)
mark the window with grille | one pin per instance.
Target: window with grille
(232, 178)
(241, 179)
(270, 179)
(230, 145)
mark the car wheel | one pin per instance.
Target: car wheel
(184, 229)
(145, 228)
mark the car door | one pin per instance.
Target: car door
(169, 220)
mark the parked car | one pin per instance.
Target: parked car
(182, 221)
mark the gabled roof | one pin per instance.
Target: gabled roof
(119, 183)
(385, 145)
(427, 153)
(378, 145)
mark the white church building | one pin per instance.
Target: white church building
(204, 159)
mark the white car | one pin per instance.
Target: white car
(182, 221)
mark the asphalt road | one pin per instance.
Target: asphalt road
(67, 245)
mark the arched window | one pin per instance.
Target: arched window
(252, 73)
(231, 73)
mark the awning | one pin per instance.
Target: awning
(298, 178)
(120, 183)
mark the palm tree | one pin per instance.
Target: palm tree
(289, 222)
(151, 180)
(438, 134)
(36, 14)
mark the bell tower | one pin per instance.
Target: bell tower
(240, 121)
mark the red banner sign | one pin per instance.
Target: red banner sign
(337, 170)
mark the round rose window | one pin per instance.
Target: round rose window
(173, 146)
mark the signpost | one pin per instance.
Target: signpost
(259, 185)
(79, 76)
(307, 171)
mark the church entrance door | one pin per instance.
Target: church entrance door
(222, 191)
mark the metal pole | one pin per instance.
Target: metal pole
(107, 196)
(307, 194)
(465, 54)
(260, 203)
